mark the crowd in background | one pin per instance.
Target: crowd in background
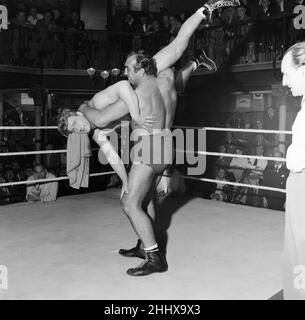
(239, 29)
(250, 171)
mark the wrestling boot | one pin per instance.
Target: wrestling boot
(136, 252)
(154, 262)
(203, 61)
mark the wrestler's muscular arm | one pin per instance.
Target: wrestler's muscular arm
(169, 55)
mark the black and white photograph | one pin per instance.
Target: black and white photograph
(152, 152)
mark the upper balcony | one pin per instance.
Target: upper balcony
(244, 46)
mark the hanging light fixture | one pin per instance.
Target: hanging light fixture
(105, 74)
(115, 72)
(91, 72)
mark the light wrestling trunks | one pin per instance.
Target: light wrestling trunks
(154, 150)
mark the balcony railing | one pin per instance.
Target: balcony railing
(228, 44)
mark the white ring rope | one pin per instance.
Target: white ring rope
(29, 128)
(25, 153)
(51, 180)
(235, 130)
(175, 127)
(231, 155)
(229, 183)
(180, 151)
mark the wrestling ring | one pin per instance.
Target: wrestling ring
(68, 249)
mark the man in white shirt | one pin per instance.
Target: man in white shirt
(43, 192)
(293, 69)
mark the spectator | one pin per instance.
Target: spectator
(75, 23)
(20, 20)
(154, 28)
(4, 192)
(267, 10)
(34, 16)
(16, 193)
(51, 160)
(43, 192)
(47, 23)
(165, 25)
(251, 196)
(175, 25)
(275, 176)
(239, 165)
(143, 25)
(270, 119)
(222, 192)
(129, 24)
(58, 18)
(259, 164)
(242, 18)
(223, 161)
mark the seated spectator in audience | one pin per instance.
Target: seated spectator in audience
(47, 23)
(4, 192)
(182, 17)
(154, 28)
(75, 23)
(16, 193)
(165, 24)
(249, 196)
(259, 164)
(275, 176)
(43, 192)
(51, 161)
(20, 20)
(223, 161)
(143, 25)
(34, 16)
(239, 165)
(18, 174)
(129, 24)
(175, 25)
(222, 192)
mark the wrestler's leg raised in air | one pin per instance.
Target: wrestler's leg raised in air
(201, 60)
(169, 55)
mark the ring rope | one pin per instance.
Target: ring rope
(25, 153)
(235, 130)
(8, 184)
(175, 127)
(231, 155)
(228, 183)
(29, 128)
